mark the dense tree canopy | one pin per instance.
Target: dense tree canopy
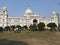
(41, 26)
(13, 27)
(25, 27)
(19, 27)
(52, 26)
(1, 29)
(33, 27)
(7, 28)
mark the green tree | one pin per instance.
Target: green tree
(1, 29)
(52, 26)
(33, 27)
(41, 26)
(25, 27)
(7, 28)
(19, 27)
(58, 27)
(13, 27)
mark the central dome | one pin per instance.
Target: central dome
(54, 12)
(28, 11)
(4, 8)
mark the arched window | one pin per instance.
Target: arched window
(35, 21)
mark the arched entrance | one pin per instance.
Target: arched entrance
(35, 21)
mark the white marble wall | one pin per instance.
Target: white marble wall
(27, 19)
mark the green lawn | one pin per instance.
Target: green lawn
(30, 38)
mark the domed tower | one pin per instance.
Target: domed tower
(55, 17)
(4, 14)
(4, 10)
(28, 13)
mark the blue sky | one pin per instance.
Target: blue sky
(42, 7)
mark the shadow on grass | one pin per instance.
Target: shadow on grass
(10, 42)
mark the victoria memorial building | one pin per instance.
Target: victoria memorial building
(28, 18)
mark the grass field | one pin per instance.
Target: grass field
(30, 38)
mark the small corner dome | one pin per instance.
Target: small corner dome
(54, 12)
(28, 11)
(4, 8)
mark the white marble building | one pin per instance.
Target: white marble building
(28, 18)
